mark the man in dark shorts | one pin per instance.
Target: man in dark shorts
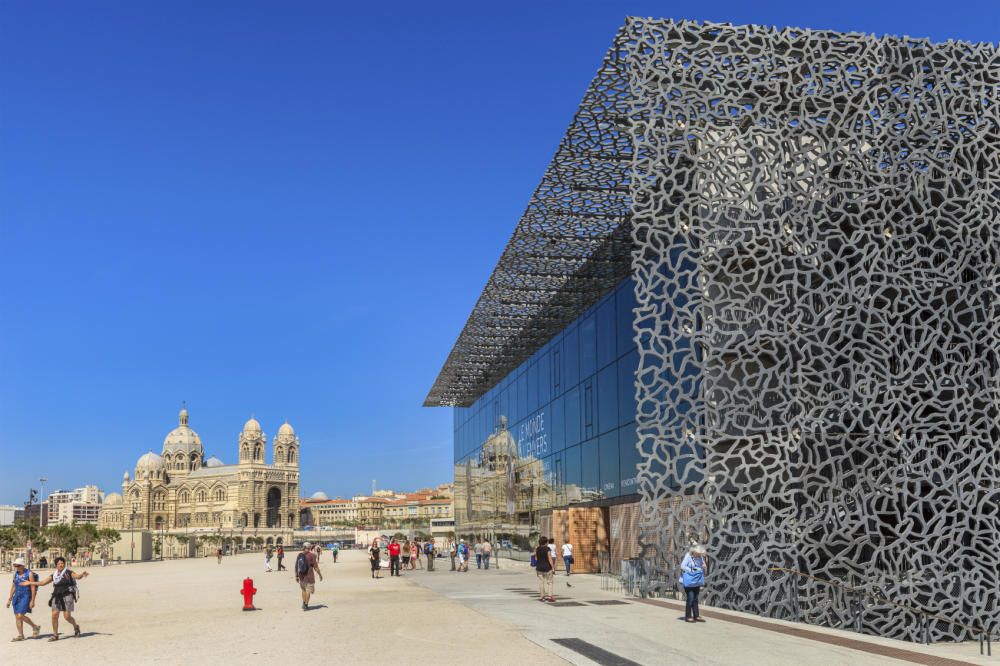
(306, 570)
(393, 557)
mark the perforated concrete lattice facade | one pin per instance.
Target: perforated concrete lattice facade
(811, 221)
(815, 218)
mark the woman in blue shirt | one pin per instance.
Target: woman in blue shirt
(693, 568)
(23, 599)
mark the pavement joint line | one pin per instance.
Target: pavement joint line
(594, 653)
(852, 643)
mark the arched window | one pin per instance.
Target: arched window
(179, 464)
(291, 455)
(244, 452)
(279, 454)
(185, 496)
(220, 495)
(201, 496)
(256, 452)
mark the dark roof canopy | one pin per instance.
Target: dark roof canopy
(571, 246)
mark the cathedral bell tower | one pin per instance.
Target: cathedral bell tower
(286, 447)
(252, 443)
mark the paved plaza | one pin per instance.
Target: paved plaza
(189, 611)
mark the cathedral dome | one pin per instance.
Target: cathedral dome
(251, 426)
(214, 462)
(182, 439)
(319, 496)
(151, 462)
(286, 430)
(112, 499)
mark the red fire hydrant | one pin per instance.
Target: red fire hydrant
(248, 591)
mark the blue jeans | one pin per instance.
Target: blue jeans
(486, 561)
(566, 559)
(691, 603)
(479, 560)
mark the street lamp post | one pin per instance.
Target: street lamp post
(41, 500)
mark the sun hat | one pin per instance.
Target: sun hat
(307, 545)
(19, 562)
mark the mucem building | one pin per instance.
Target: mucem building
(753, 303)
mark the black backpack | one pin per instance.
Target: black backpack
(302, 564)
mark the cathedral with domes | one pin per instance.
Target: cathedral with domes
(179, 489)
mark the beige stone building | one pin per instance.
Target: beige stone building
(180, 491)
(375, 511)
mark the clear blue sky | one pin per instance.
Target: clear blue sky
(283, 208)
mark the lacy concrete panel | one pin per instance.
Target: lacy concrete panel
(815, 221)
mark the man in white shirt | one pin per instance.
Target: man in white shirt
(568, 556)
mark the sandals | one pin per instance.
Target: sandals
(35, 632)
(17, 639)
(76, 631)
(53, 637)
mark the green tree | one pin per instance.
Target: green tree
(104, 539)
(8, 538)
(63, 537)
(86, 534)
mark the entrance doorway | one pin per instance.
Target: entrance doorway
(274, 507)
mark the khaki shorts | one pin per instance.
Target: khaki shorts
(308, 587)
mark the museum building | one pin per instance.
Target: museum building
(752, 303)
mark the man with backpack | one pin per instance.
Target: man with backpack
(429, 552)
(463, 555)
(306, 570)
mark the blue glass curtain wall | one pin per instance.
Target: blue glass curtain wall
(570, 410)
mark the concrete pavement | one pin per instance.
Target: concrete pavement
(189, 611)
(644, 633)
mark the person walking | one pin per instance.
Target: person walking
(429, 552)
(393, 557)
(281, 556)
(306, 570)
(463, 555)
(318, 552)
(567, 554)
(374, 558)
(23, 599)
(64, 594)
(451, 553)
(543, 569)
(335, 550)
(487, 552)
(218, 555)
(693, 568)
(415, 556)
(404, 553)
(268, 554)
(478, 548)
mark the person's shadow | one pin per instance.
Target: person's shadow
(317, 607)
(83, 634)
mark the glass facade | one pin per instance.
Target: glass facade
(559, 430)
